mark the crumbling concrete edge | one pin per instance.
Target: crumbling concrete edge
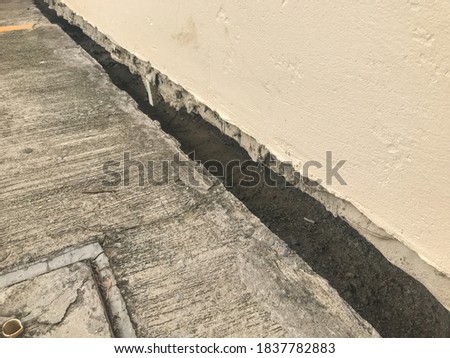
(115, 306)
(159, 85)
(63, 259)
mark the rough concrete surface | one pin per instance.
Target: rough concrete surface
(61, 303)
(189, 261)
(95, 257)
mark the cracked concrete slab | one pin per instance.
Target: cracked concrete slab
(189, 261)
(61, 303)
(95, 257)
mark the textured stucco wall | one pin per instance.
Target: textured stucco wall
(368, 80)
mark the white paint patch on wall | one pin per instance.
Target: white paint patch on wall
(368, 80)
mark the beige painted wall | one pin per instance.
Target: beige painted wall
(368, 80)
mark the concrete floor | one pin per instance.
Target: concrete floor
(189, 260)
(76, 309)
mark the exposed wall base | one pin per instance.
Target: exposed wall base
(159, 85)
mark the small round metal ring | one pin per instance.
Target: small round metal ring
(12, 328)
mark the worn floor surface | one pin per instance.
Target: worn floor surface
(63, 303)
